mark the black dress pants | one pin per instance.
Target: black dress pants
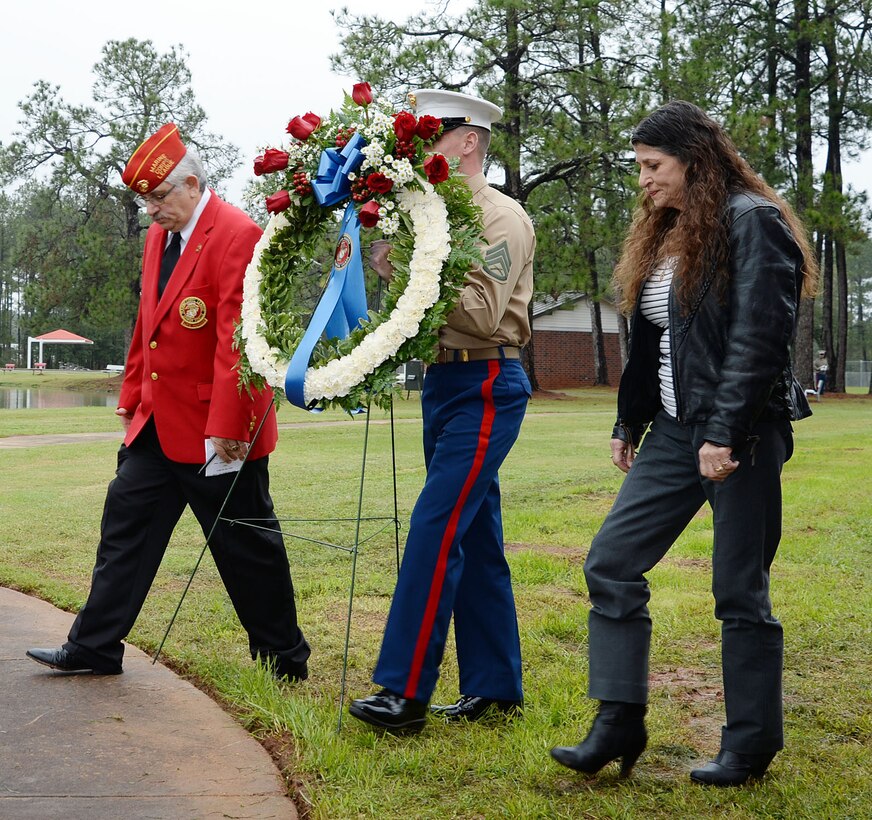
(143, 505)
(657, 500)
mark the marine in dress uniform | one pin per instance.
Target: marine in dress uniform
(180, 390)
(474, 399)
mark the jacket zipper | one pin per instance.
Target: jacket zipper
(672, 339)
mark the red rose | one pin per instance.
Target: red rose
(271, 160)
(379, 183)
(436, 168)
(368, 214)
(301, 127)
(279, 201)
(404, 126)
(361, 93)
(427, 127)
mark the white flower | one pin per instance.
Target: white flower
(400, 171)
(374, 153)
(389, 224)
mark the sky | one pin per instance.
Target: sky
(254, 65)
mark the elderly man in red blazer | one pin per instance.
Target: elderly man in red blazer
(179, 392)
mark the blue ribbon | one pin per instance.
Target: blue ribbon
(341, 307)
(331, 183)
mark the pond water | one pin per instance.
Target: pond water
(14, 398)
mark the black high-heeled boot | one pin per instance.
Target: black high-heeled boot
(732, 768)
(618, 731)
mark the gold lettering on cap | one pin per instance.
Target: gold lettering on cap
(161, 166)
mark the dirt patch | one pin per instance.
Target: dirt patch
(574, 554)
(564, 592)
(827, 396)
(552, 395)
(700, 693)
(696, 563)
(364, 619)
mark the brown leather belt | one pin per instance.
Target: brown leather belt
(447, 356)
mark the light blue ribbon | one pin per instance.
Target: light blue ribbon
(340, 309)
(331, 184)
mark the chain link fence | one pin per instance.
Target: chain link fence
(857, 373)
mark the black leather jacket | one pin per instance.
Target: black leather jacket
(730, 351)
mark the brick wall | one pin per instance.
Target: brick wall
(565, 358)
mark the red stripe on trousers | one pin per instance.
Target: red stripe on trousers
(484, 432)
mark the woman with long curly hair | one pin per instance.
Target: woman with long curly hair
(712, 271)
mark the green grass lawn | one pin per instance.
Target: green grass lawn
(557, 485)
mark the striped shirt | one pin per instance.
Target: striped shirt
(655, 308)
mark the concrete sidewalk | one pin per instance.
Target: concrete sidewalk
(145, 744)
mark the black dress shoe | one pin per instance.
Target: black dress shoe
(291, 672)
(472, 707)
(732, 769)
(389, 711)
(618, 731)
(63, 661)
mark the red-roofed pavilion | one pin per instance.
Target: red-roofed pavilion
(56, 337)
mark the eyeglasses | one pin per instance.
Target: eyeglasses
(154, 199)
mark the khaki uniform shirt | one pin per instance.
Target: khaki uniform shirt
(492, 309)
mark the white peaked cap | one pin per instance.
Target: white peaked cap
(456, 108)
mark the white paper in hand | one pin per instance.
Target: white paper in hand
(215, 466)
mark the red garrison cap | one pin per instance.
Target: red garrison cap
(154, 159)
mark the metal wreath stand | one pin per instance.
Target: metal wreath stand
(352, 549)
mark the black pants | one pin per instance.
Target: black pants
(657, 500)
(143, 505)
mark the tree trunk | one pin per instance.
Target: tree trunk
(528, 358)
(623, 339)
(826, 299)
(803, 353)
(841, 316)
(512, 104)
(773, 44)
(836, 204)
(512, 129)
(664, 53)
(600, 369)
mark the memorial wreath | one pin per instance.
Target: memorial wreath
(367, 167)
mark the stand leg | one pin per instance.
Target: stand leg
(396, 509)
(209, 536)
(353, 575)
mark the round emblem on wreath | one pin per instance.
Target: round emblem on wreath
(343, 252)
(381, 172)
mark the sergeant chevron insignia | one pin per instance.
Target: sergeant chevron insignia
(498, 261)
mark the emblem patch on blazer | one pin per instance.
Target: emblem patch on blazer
(498, 261)
(193, 312)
